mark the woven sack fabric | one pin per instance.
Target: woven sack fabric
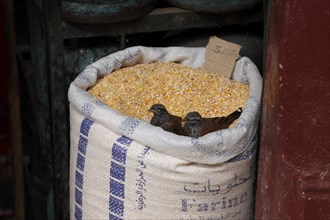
(125, 168)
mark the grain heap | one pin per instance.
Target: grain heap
(132, 90)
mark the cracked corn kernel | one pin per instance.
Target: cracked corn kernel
(181, 89)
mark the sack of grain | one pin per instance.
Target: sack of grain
(124, 168)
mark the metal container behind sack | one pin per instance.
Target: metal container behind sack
(78, 57)
(104, 11)
(215, 6)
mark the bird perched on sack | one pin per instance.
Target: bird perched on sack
(162, 118)
(194, 125)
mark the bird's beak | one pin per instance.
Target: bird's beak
(151, 110)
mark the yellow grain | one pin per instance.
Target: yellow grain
(181, 89)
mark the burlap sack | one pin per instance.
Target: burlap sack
(124, 168)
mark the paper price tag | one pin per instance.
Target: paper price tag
(220, 56)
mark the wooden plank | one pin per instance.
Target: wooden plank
(16, 134)
(161, 19)
(294, 157)
(58, 105)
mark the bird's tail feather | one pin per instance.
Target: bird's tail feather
(232, 117)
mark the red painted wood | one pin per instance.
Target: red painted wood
(294, 157)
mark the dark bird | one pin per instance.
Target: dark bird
(194, 125)
(162, 118)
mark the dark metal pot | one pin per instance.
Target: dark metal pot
(105, 11)
(214, 6)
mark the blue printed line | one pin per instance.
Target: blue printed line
(85, 127)
(244, 156)
(117, 177)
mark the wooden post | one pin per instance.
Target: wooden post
(15, 117)
(294, 154)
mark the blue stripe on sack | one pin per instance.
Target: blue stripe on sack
(117, 177)
(124, 140)
(116, 206)
(78, 196)
(116, 188)
(79, 180)
(82, 145)
(78, 213)
(80, 162)
(86, 124)
(112, 217)
(117, 171)
(85, 127)
(119, 153)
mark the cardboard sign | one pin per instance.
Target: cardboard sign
(220, 56)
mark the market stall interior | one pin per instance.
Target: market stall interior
(56, 40)
(55, 164)
(72, 34)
